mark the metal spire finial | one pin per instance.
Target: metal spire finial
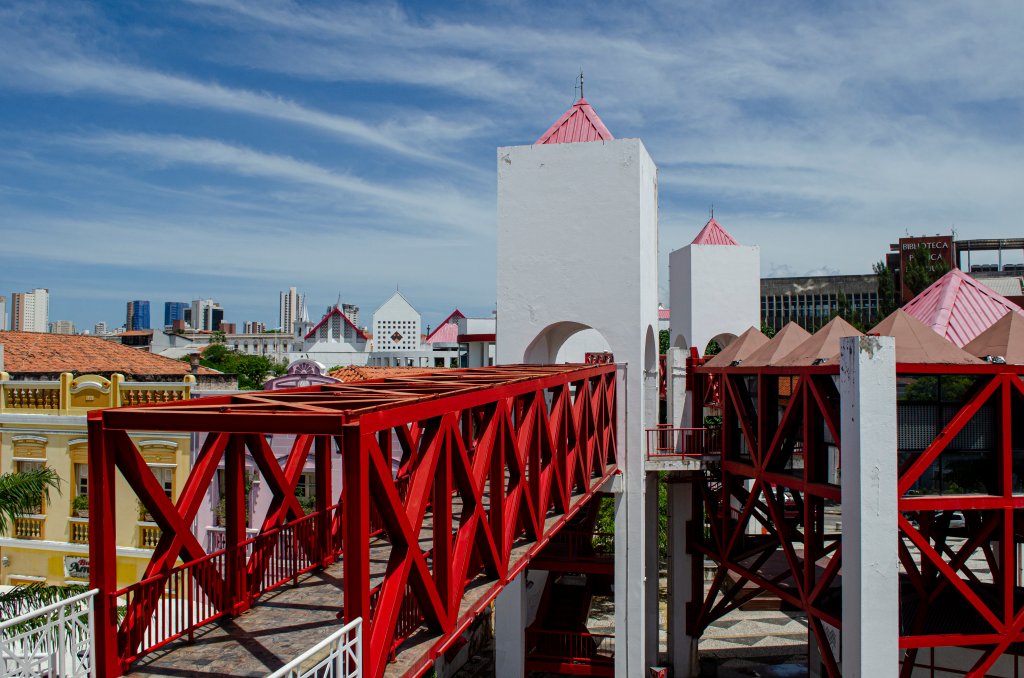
(712, 210)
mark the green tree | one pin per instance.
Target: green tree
(888, 298)
(21, 493)
(663, 342)
(767, 330)
(922, 271)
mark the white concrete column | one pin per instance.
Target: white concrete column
(682, 648)
(510, 629)
(678, 405)
(867, 386)
(652, 620)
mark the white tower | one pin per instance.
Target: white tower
(578, 270)
(714, 289)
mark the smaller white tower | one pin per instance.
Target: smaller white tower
(714, 289)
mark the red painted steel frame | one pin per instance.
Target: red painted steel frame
(498, 458)
(776, 445)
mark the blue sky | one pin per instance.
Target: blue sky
(232, 148)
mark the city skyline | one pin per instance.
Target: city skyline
(353, 148)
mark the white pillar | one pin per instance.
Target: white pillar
(678, 414)
(682, 648)
(652, 575)
(867, 384)
(510, 629)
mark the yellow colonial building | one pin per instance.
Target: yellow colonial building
(43, 423)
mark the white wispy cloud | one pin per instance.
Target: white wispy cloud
(439, 203)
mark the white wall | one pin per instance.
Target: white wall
(713, 289)
(396, 318)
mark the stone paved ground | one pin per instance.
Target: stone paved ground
(283, 625)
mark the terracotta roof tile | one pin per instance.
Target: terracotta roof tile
(364, 372)
(41, 353)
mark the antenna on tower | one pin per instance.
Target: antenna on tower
(712, 210)
(579, 84)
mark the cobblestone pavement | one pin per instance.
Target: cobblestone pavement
(282, 625)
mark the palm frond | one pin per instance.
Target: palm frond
(21, 492)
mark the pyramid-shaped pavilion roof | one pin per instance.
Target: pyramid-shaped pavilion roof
(959, 307)
(1004, 339)
(820, 348)
(579, 123)
(739, 349)
(713, 234)
(783, 343)
(918, 343)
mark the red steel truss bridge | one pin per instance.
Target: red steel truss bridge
(491, 464)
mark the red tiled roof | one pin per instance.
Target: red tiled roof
(334, 312)
(364, 372)
(713, 234)
(959, 307)
(579, 123)
(41, 353)
(448, 331)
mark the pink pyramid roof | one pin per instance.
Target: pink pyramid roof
(783, 343)
(1004, 339)
(959, 307)
(739, 349)
(821, 347)
(918, 343)
(713, 234)
(579, 123)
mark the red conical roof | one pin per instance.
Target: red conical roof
(579, 123)
(713, 234)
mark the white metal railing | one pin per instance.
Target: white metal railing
(54, 641)
(339, 655)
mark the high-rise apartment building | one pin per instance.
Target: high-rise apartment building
(254, 327)
(62, 327)
(206, 314)
(30, 311)
(100, 328)
(351, 311)
(137, 316)
(291, 309)
(3, 313)
(174, 310)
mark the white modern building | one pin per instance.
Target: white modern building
(30, 311)
(397, 335)
(292, 307)
(206, 314)
(3, 312)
